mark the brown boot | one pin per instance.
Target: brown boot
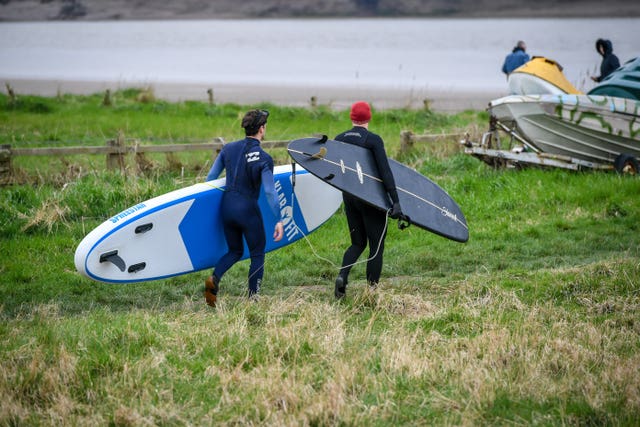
(211, 290)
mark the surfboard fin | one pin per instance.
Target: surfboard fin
(320, 154)
(137, 267)
(114, 259)
(322, 139)
(143, 228)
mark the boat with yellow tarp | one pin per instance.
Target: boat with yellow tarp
(540, 76)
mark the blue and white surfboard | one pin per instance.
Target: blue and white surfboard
(181, 232)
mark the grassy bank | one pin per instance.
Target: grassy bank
(66, 120)
(533, 321)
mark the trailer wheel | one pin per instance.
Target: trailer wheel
(626, 164)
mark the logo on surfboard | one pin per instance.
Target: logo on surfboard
(286, 212)
(448, 213)
(128, 212)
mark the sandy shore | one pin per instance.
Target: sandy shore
(439, 99)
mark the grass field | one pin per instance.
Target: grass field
(534, 321)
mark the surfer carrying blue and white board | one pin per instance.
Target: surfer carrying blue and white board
(367, 224)
(248, 167)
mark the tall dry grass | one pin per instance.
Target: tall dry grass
(463, 353)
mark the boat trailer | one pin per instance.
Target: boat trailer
(518, 153)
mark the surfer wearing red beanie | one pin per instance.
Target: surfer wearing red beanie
(360, 113)
(367, 225)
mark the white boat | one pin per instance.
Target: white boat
(588, 130)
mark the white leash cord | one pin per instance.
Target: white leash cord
(382, 236)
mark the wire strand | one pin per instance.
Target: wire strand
(313, 249)
(382, 236)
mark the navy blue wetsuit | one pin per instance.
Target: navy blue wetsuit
(248, 167)
(366, 223)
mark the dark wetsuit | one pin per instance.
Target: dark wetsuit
(610, 62)
(248, 167)
(366, 223)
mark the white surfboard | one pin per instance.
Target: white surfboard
(181, 232)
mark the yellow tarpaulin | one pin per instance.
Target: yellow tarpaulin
(548, 70)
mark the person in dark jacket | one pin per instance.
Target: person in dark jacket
(610, 62)
(248, 168)
(366, 223)
(516, 58)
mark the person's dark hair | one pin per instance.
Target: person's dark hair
(252, 121)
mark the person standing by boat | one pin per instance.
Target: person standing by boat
(610, 62)
(248, 168)
(366, 223)
(516, 58)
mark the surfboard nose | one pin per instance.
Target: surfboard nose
(79, 259)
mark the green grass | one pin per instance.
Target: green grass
(534, 321)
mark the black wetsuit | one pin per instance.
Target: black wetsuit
(366, 223)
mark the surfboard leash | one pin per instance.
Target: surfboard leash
(293, 193)
(317, 255)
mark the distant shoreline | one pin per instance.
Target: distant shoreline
(100, 10)
(438, 99)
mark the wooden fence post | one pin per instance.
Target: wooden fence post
(106, 101)
(5, 163)
(406, 141)
(217, 150)
(115, 159)
(144, 165)
(12, 94)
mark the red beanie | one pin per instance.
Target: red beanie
(360, 112)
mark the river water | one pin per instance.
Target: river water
(421, 54)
